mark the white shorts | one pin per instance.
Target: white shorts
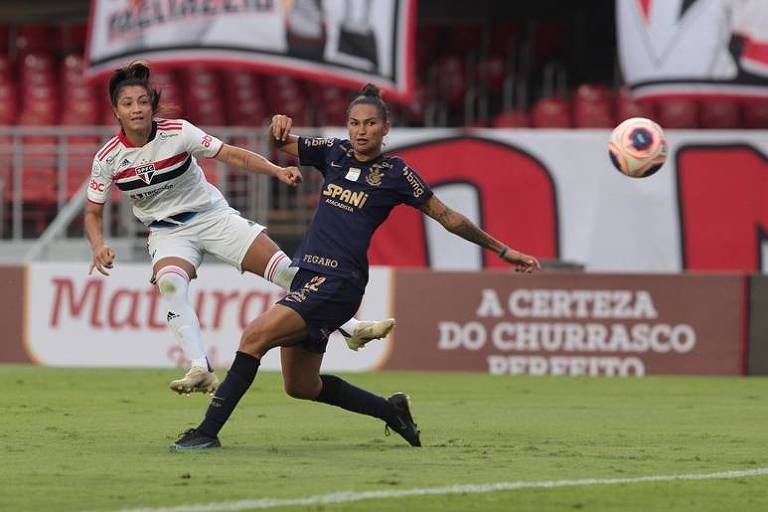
(221, 232)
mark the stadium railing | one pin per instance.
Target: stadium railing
(44, 172)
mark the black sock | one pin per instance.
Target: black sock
(239, 378)
(342, 394)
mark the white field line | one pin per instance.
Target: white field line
(349, 496)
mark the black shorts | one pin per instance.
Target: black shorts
(324, 302)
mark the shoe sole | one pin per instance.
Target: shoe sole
(183, 389)
(359, 340)
(176, 448)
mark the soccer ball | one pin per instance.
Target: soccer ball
(638, 147)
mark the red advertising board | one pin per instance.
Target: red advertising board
(568, 324)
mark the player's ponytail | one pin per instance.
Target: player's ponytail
(135, 73)
(370, 95)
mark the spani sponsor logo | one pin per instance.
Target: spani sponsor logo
(344, 195)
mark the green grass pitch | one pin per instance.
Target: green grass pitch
(87, 439)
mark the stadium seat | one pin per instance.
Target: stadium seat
(450, 80)
(592, 107)
(514, 118)
(755, 115)
(6, 70)
(719, 114)
(627, 107)
(551, 112)
(35, 38)
(678, 113)
(491, 72)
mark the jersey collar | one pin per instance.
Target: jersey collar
(127, 143)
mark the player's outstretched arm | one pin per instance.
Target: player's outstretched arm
(103, 255)
(461, 226)
(282, 138)
(250, 161)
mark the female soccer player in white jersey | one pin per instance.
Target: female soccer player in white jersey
(153, 163)
(360, 187)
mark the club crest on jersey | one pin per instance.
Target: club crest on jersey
(374, 176)
(145, 172)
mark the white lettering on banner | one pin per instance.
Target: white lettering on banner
(570, 366)
(567, 332)
(568, 337)
(524, 303)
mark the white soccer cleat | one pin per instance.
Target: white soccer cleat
(368, 330)
(196, 380)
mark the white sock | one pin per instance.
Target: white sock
(173, 283)
(279, 271)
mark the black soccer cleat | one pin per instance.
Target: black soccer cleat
(403, 422)
(193, 439)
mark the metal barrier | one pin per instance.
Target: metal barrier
(43, 171)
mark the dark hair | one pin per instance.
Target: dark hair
(370, 95)
(135, 73)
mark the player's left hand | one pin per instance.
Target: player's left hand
(289, 175)
(521, 262)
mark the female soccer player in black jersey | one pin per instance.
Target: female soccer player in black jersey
(360, 188)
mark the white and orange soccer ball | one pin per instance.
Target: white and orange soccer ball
(638, 147)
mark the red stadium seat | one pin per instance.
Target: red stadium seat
(35, 38)
(552, 112)
(491, 71)
(627, 106)
(755, 115)
(451, 80)
(719, 114)
(592, 107)
(72, 37)
(37, 62)
(677, 113)
(72, 69)
(6, 70)
(82, 112)
(512, 119)
(7, 111)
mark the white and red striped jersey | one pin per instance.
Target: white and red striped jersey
(160, 178)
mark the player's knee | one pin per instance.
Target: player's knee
(172, 281)
(300, 390)
(254, 340)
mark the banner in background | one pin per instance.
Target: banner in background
(694, 47)
(345, 41)
(555, 194)
(568, 324)
(79, 320)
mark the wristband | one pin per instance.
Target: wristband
(503, 251)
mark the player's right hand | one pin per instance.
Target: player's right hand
(281, 126)
(103, 258)
(521, 262)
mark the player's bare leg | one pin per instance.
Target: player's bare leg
(172, 276)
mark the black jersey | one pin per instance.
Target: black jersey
(355, 199)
